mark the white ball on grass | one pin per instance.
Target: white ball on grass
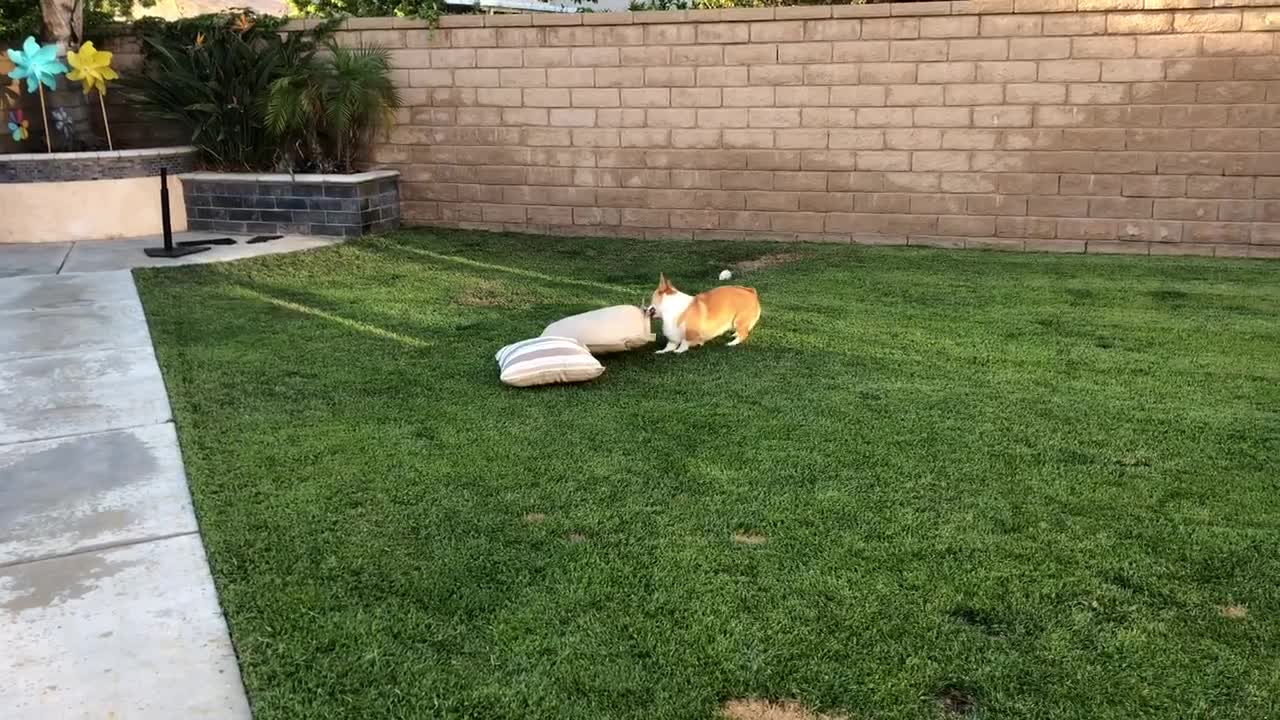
(726, 275)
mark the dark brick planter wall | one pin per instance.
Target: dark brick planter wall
(61, 167)
(340, 205)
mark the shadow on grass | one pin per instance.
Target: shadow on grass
(331, 317)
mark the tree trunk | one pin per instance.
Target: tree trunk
(64, 25)
(63, 22)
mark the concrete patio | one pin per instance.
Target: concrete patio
(107, 605)
(123, 254)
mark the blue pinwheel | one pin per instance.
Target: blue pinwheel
(37, 63)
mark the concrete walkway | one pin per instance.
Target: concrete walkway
(107, 607)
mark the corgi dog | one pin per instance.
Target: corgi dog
(691, 320)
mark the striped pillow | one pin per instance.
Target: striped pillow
(544, 360)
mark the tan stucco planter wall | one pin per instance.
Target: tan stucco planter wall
(122, 198)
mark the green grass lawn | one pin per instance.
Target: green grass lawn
(1031, 486)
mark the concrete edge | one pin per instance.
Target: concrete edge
(308, 178)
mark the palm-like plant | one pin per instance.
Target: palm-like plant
(324, 111)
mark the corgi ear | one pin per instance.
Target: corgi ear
(663, 283)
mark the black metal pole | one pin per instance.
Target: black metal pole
(166, 223)
(165, 220)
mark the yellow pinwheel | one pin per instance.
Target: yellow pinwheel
(92, 67)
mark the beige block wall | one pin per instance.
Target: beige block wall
(1132, 126)
(1046, 124)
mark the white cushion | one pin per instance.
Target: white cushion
(545, 360)
(610, 329)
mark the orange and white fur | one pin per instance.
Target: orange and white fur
(691, 320)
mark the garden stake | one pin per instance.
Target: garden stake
(106, 125)
(48, 142)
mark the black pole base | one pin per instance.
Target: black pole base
(174, 251)
(207, 241)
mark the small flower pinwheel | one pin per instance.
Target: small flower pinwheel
(92, 67)
(19, 127)
(38, 65)
(62, 123)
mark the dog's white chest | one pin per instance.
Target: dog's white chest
(673, 307)
(670, 329)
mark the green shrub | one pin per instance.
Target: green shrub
(212, 76)
(99, 14)
(323, 111)
(424, 9)
(18, 19)
(429, 10)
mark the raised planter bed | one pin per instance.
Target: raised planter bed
(106, 165)
(336, 205)
(70, 196)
